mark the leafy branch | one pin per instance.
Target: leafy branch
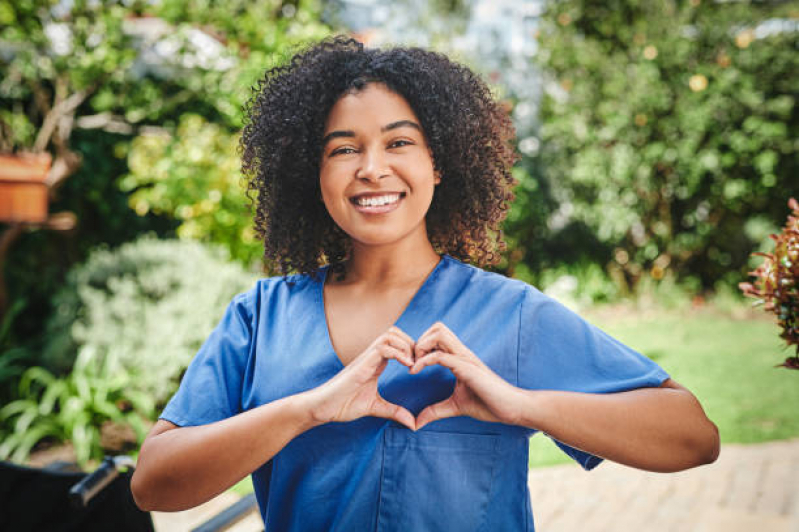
(776, 283)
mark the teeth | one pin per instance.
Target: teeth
(376, 201)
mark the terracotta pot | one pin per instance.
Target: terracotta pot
(23, 191)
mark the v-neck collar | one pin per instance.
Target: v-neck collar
(320, 302)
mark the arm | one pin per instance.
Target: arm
(658, 429)
(181, 467)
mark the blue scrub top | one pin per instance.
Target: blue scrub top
(455, 474)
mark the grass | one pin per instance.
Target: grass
(726, 358)
(242, 487)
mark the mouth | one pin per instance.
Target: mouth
(377, 203)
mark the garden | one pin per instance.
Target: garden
(659, 152)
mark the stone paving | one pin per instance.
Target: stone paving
(749, 488)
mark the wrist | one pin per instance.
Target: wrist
(531, 408)
(311, 409)
(303, 411)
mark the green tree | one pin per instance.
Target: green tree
(82, 79)
(670, 127)
(194, 176)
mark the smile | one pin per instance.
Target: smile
(375, 201)
(377, 204)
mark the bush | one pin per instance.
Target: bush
(776, 283)
(142, 309)
(73, 408)
(668, 126)
(582, 284)
(194, 177)
(12, 358)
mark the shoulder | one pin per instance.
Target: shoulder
(528, 299)
(275, 291)
(490, 283)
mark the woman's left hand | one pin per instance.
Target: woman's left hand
(479, 392)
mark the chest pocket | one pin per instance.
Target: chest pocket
(436, 480)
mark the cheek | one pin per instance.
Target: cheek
(327, 185)
(331, 192)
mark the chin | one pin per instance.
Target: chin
(375, 240)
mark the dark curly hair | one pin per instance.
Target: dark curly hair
(468, 132)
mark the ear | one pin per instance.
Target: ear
(437, 178)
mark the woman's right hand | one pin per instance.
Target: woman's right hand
(352, 393)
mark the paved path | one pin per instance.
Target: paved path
(750, 488)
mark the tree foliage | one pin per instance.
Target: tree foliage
(142, 309)
(670, 127)
(194, 176)
(83, 79)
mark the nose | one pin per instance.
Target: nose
(372, 167)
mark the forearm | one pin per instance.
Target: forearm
(657, 429)
(186, 466)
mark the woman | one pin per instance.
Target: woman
(396, 387)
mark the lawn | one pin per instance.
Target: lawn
(726, 358)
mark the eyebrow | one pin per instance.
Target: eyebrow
(349, 133)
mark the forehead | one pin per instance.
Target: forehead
(374, 105)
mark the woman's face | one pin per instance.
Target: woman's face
(376, 174)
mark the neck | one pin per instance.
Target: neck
(390, 265)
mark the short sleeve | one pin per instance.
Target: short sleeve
(558, 350)
(211, 388)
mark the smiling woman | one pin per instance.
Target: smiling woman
(376, 162)
(400, 392)
(447, 110)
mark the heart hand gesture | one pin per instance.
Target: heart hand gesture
(353, 393)
(479, 392)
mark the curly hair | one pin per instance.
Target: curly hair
(469, 134)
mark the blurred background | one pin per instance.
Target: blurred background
(659, 144)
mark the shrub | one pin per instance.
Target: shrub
(12, 358)
(667, 126)
(73, 408)
(143, 309)
(776, 283)
(583, 284)
(194, 177)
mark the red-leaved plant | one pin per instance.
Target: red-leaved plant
(776, 283)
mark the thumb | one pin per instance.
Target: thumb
(441, 410)
(384, 409)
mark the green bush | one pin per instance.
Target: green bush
(12, 358)
(583, 284)
(668, 126)
(194, 177)
(73, 408)
(143, 308)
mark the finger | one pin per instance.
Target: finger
(402, 334)
(398, 342)
(436, 357)
(437, 337)
(426, 344)
(444, 409)
(389, 351)
(384, 409)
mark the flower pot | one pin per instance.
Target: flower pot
(23, 191)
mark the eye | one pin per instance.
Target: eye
(399, 143)
(344, 150)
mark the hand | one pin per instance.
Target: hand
(353, 394)
(479, 392)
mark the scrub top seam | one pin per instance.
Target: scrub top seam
(519, 337)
